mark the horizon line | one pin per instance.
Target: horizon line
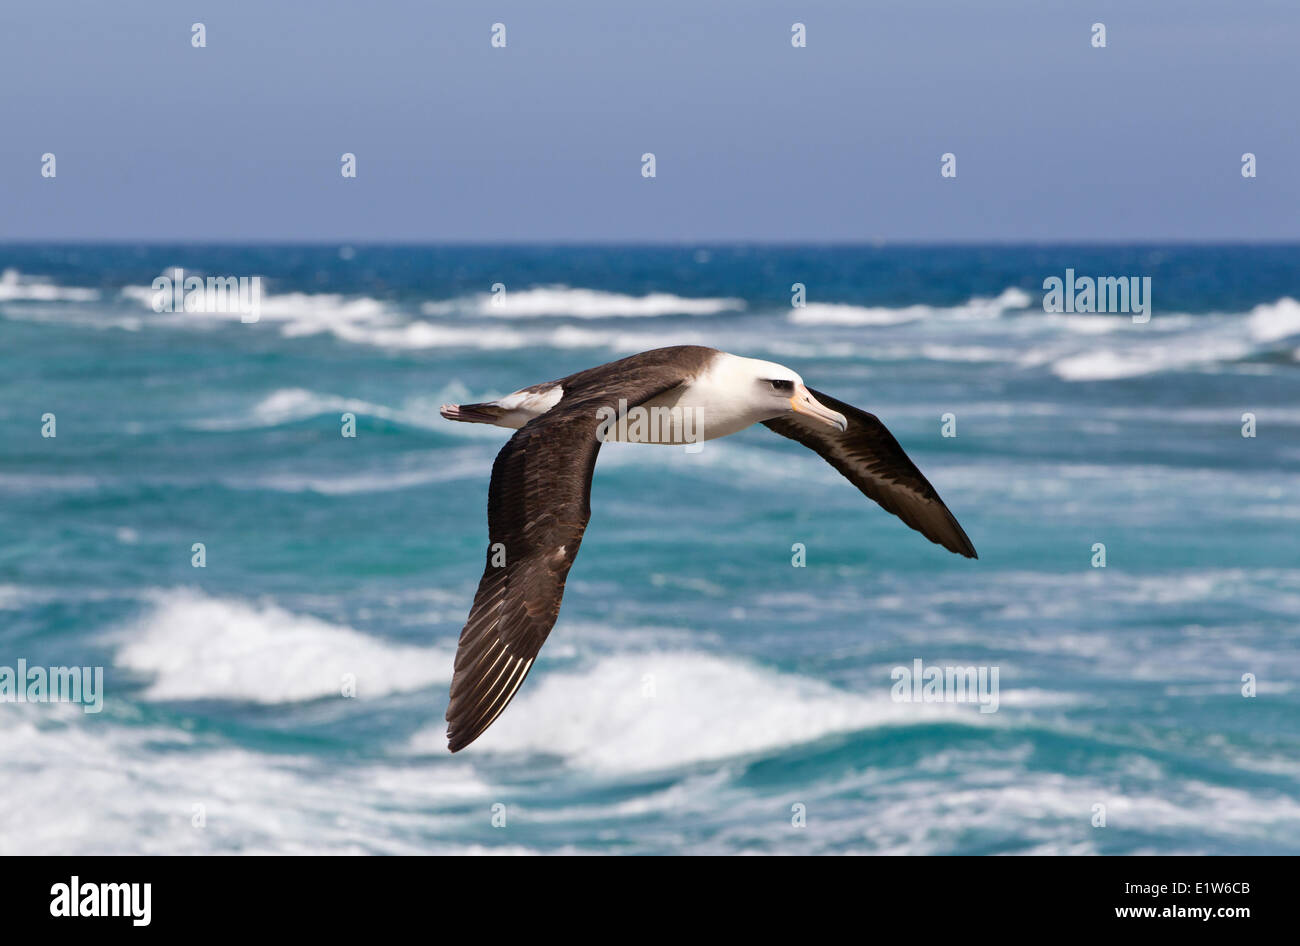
(762, 243)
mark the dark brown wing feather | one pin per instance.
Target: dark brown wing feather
(871, 459)
(538, 506)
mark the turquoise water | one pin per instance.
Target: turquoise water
(697, 687)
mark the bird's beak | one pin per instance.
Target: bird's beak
(804, 403)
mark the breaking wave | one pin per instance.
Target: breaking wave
(564, 301)
(194, 647)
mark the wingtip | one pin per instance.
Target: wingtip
(966, 551)
(459, 740)
(956, 541)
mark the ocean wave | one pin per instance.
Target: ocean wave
(580, 304)
(16, 287)
(978, 307)
(841, 313)
(298, 313)
(195, 647)
(113, 787)
(1172, 343)
(1049, 813)
(419, 334)
(1275, 321)
(418, 471)
(287, 405)
(1007, 328)
(1062, 344)
(1197, 350)
(106, 788)
(702, 708)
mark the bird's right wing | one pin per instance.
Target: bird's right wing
(538, 507)
(869, 457)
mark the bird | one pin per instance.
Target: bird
(540, 489)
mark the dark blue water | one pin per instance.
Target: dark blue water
(697, 689)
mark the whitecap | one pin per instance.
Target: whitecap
(580, 304)
(643, 712)
(1275, 321)
(15, 286)
(194, 647)
(94, 786)
(977, 307)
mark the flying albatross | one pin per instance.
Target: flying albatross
(539, 495)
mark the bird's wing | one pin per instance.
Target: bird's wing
(867, 454)
(538, 506)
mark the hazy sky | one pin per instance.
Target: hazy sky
(754, 139)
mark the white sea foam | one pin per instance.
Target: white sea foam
(1189, 344)
(1103, 366)
(1197, 351)
(14, 286)
(366, 321)
(119, 789)
(1169, 343)
(499, 337)
(978, 307)
(420, 334)
(580, 304)
(702, 708)
(977, 331)
(290, 405)
(840, 313)
(298, 313)
(195, 647)
(1275, 321)
(16, 597)
(1094, 324)
(1007, 300)
(287, 405)
(115, 788)
(1053, 811)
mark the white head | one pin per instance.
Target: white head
(775, 391)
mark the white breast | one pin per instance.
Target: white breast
(717, 403)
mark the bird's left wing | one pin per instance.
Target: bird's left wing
(538, 507)
(867, 454)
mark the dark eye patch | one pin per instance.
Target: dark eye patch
(782, 385)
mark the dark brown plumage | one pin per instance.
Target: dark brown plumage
(871, 459)
(539, 504)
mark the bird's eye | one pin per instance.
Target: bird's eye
(783, 386)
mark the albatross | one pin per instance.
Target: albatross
(539, 494)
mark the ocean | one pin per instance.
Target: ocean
(701, 692)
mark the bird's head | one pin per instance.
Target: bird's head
(777, 389)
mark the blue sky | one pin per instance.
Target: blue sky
(754, 139)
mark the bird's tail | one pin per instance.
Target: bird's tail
(472, 413)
